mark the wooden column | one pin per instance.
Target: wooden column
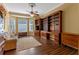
(33, 25)
(27, 26)
(16, 25)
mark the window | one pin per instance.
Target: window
(12, 24)
(31, 25)
(22, 24)
(1, 25)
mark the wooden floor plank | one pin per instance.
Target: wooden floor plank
(48, 47)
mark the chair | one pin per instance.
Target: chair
(10, 44)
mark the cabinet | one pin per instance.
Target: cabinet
(71, 40)
(43, 35)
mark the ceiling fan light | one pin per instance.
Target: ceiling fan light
(32, 15)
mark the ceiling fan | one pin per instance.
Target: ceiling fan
(32, 12)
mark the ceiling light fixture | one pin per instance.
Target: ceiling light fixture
(32, 12)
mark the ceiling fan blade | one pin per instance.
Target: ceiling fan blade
(32, 12)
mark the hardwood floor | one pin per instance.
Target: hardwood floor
(48, 47)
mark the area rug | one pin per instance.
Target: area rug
(26, 43)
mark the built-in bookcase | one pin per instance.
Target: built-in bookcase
(45, 24)
(50, 27)
(55, 21)
(41, 24)
(37, 24)
(37, 27)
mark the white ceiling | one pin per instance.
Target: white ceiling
(42, 8)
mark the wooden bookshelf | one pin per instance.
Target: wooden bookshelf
(44, 28)
(41, 24)
(37, 24)
(50, 27)
(55, 21)
(37, 28)
(45, 24)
